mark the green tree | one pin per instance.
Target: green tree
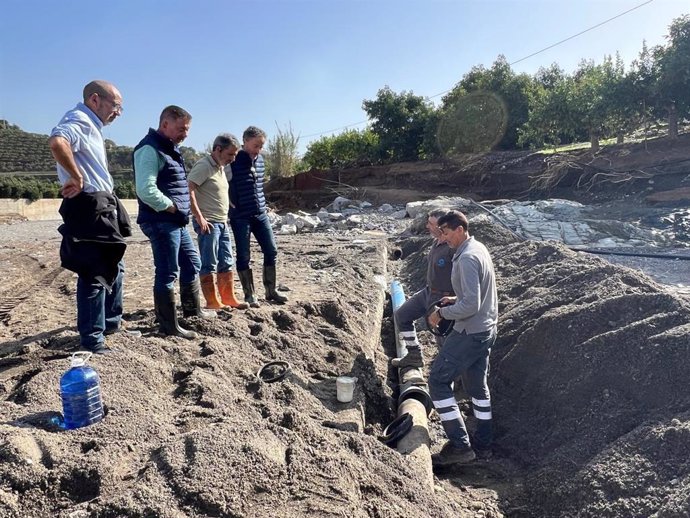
(513, 91)
(348, 149)
(401, 122)
(190, 156)
(551, 120)
(674, 73)
(644, 80)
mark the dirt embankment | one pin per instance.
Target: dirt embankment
(655, 170)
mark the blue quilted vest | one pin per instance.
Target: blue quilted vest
(247, 186)
(172, 181)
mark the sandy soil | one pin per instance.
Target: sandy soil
(588, 379)
(588, 374)
(190, 431)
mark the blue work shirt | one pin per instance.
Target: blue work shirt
(82, 128)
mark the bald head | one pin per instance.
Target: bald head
(104, 99)
(102, 88)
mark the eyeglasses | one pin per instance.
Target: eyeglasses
(117, 106)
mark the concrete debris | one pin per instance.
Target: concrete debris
(564, 221)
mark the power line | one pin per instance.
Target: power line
(511, 64)
(582, 32)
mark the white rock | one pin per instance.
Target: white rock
(288, 229)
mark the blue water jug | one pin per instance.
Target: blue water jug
(80, 389)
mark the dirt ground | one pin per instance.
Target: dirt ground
(190, 430)
(588, 380)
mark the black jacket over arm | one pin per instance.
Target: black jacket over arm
(93, 232)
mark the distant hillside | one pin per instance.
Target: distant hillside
(28, 153)
(23, 152)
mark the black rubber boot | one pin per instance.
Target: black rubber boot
(191, 301)
(270, 285)
(166, 313)
(247, 280)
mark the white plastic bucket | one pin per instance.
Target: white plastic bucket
(345, 388)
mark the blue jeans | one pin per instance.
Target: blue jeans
(173, 252)
(98, 310)
(261, 228)
(467, 355)
(215, 248)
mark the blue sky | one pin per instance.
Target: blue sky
(304, 63)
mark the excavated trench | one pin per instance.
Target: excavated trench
(588, 380)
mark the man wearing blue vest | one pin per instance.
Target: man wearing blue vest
(164, 212)
(248, 216)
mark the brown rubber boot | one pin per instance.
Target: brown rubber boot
(450, 454)
(413, 358)
(208, 288)
(226, 288)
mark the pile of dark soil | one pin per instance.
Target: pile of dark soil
(589, 382)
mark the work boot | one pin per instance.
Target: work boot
(226, 288)
(451, 454)
(270, 285)
(166, 314)
(191, 304)
(413, 358)
(208, 287)
(247, 280)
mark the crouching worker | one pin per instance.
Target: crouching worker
(164, 211)
(210, 199)
(466, 349)
(438, 285)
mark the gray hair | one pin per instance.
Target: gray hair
(253, 131)
(226, 140)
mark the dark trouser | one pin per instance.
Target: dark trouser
(414, 308)
(466, 355)
(174, 254)
(97, 309)
(260, 226)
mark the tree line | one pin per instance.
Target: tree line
(496, 108)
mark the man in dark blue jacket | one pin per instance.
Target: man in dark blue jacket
(164, 211)
(248, 216)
